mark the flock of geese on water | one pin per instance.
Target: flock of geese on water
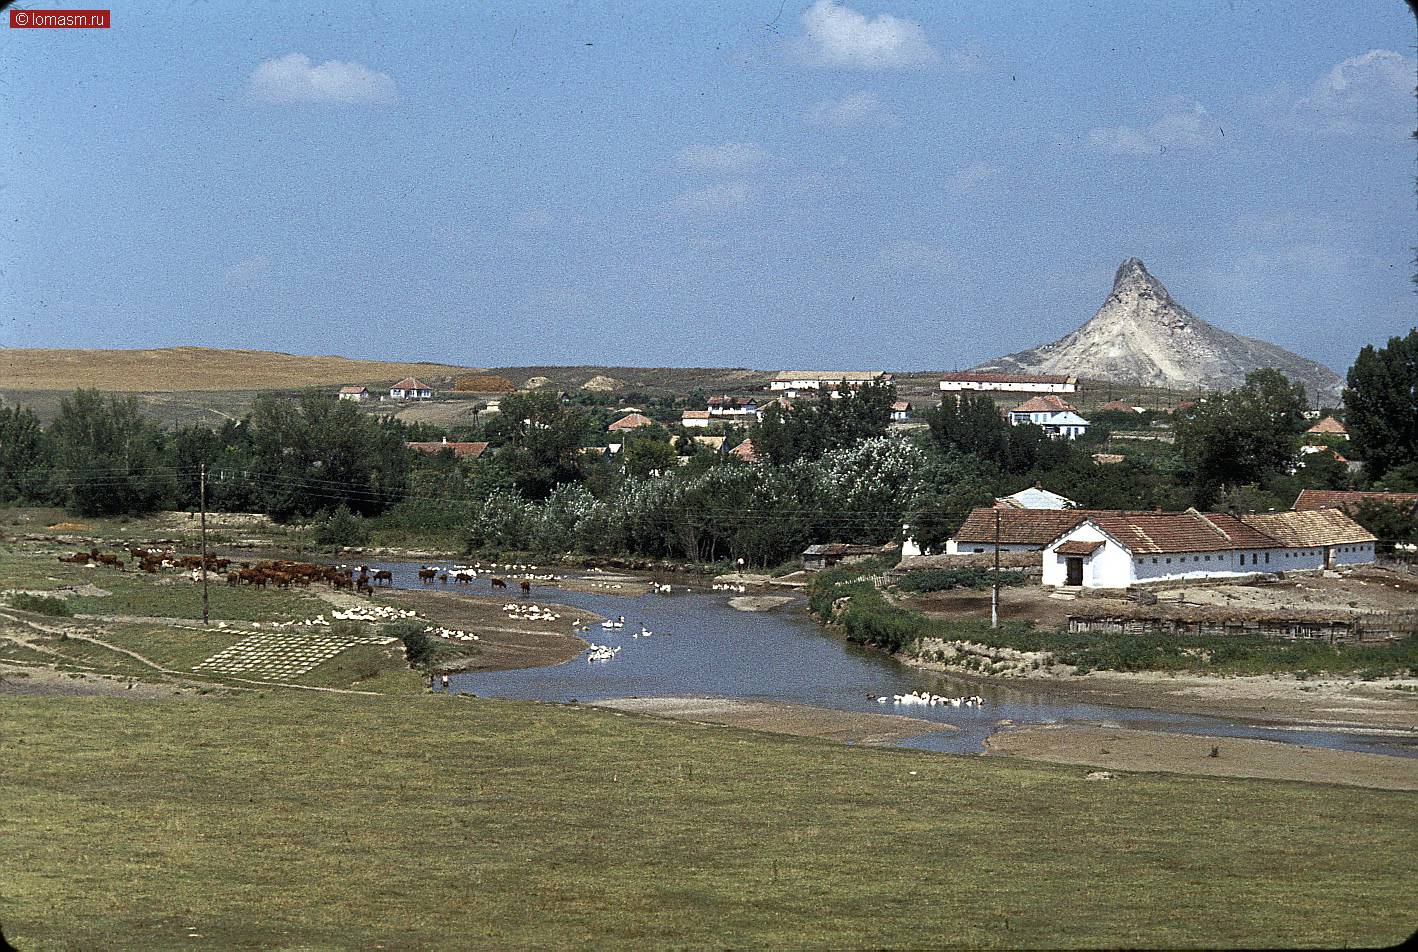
(597, 652)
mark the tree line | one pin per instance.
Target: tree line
(830, 469)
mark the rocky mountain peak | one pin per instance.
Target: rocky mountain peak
(1142, 336)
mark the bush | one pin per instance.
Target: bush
(41, 605)
(418, 647)
(939, 580)
(340, 527)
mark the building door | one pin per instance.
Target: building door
(1329, 556)
(1075, 570)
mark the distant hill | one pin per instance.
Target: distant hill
(186, 369)
(1141, 336)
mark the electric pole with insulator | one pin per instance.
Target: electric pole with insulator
(202, 501)
(994, 591)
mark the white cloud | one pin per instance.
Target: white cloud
(293, 78)
(714, 198)
(246, 272)
(1371, 92)
(838, 36)
(974, 177)
(855, 109)
(725, 157)
(1184, 125)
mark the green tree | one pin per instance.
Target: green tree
(811, 428)
(24, 456)
(317, 453)
(108, 457)
(1381, 403)
(542, 440)
(1246, 435)
(649, 455)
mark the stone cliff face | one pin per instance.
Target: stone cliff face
(1141, 336)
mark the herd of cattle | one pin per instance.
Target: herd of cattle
(281, 573)
(428, 574)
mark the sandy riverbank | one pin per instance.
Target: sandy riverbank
(1384, 705)
(780, 717)
(1155, 751)
(504, 643)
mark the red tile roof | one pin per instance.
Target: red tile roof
(900, 405)
(1329, 425)
(460, 450)
(695, 415)
(745, 452)
(1018, 526)
(1350, 501)
(1047, 403)
(1118, 406)
(1079, 547)
(630, 421)
(411, 383)
(1190, 531)
(1312, 527)
(353, 390)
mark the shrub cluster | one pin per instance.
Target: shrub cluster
(939, 580)
(41, 605)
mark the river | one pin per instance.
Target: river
(701, 647)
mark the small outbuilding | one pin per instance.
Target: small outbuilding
(826, 555)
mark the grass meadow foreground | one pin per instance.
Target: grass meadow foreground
(283, 820)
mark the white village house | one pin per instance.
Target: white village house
(793, 383)
(1120, 549)
(1009, 383)
(695, 418)
(411, 388)
(1054, 414)
(354, 394)
(900, 412)
(732, 410)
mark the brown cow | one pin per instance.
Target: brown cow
(383, 575)
(427, 575)
(498, 583)
(526, 587)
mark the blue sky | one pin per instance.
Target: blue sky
(871, 183)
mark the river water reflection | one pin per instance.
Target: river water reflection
(701, 647)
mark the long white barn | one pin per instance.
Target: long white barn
(1120, 549)
(1009, 383)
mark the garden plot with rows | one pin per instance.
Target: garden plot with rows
(281, 656)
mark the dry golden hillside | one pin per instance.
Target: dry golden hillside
(195, 368)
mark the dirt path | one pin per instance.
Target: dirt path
(36, 681)
(777, 717)
(504, 643)
(1155, 751)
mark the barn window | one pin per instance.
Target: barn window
(1169, 561)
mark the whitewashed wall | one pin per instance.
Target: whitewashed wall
(966, 548)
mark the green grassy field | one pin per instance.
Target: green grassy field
(423, 822)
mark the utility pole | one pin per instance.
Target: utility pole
(994, 592)
(202, 499)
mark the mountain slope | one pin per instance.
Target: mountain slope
(1141, 336)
